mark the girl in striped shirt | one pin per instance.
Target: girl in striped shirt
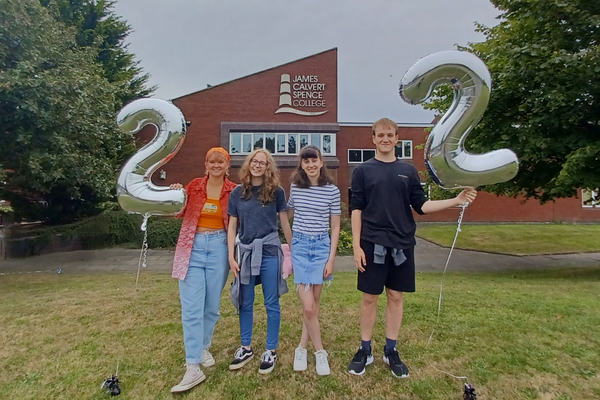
(314, 200)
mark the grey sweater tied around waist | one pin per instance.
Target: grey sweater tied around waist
(250, 260)
(380, 252)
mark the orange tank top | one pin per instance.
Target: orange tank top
(211, 216)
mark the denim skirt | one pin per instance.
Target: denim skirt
(310, 253)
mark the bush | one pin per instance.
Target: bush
(118, 228)
(105, 230)
(163, 232)
(345, 244)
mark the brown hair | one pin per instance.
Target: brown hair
(270, 178)
(299, 177)
(385, 122)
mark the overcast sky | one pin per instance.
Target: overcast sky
(187, 44)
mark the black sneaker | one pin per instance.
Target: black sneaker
(398, 368)
(241, 358)
(361, 359)
(267, 362)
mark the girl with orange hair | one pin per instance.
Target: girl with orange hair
(201, 262)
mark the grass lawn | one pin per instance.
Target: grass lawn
(523, 335)
(517, 239)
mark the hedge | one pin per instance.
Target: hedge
(118, 228)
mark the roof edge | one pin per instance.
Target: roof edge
(256, 73)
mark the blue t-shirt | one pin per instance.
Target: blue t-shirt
(256, 220)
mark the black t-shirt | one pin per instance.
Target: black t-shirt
(256, 220)
(385, 192)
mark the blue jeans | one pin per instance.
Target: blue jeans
(200, 293)
(269, 271)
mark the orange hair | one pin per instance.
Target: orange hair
(218, 150)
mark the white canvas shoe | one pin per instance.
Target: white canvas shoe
(193, 376)
(207, 359)
(322, 363)
(300, 359)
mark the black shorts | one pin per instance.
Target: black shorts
(400, 278)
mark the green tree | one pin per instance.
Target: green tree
(545, 105)
(98, 27)
(60, 148)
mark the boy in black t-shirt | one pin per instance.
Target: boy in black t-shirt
(383, 191)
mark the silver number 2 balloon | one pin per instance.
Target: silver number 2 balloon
(135, 190)
(449, 164)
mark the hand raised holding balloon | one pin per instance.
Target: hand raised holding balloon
(466, 196)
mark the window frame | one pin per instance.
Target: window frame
(401, 144)
(362, 155)
(595, 196)
(298, 135)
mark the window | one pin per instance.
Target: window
(292, 144)
(360, 155)
(354, 156)
(326, 144)
(258, 141)
(270, 142)
(303, 141)
(404, 149)
(247, 143)
(590, 198)
(280, 143)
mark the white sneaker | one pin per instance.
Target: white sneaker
(193, 376)
(207, 359)
(300, 359)
(322, 363)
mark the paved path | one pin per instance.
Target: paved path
(429, 258)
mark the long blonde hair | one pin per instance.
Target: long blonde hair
(270, 178)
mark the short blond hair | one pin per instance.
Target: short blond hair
(385, 122)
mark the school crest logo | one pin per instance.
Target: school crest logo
(303, 91)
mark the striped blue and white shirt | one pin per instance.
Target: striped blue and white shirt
(312, 207)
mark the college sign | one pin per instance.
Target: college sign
(299, 93)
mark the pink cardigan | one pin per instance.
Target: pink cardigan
(196, 192)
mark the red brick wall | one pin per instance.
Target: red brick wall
(254, 98)
(491, 208)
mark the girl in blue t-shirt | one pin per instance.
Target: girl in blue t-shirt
(254, 209)
(313, 202)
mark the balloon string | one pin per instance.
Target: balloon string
(144, 252)
(449, 374)
(460, 218)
